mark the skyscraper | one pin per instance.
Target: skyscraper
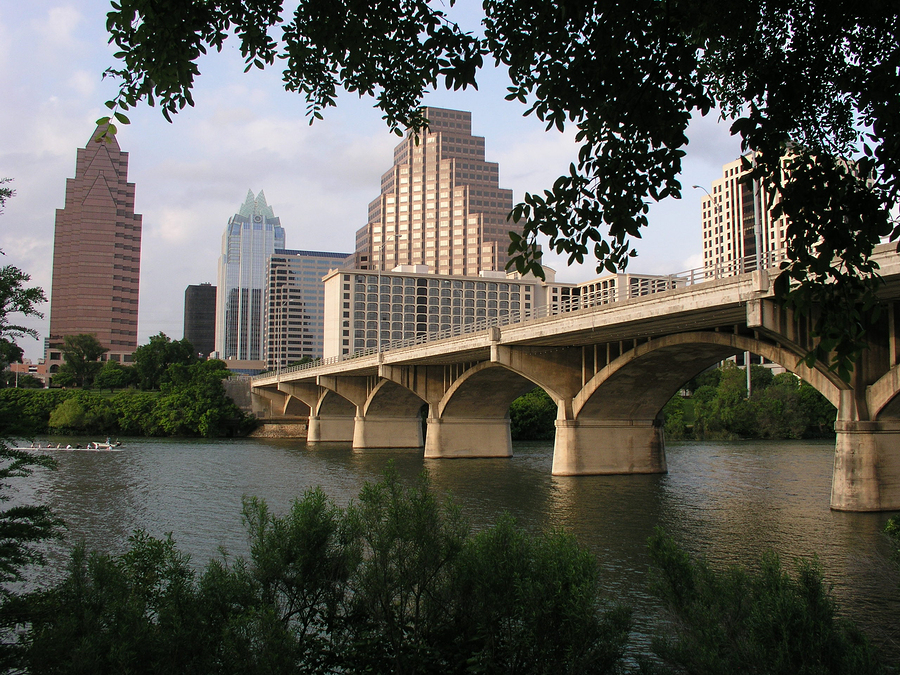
(440, 204)
(296, 304)
(200, 317)
(251, 237)
(737, 222)
(97, 253)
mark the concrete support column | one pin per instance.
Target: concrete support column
(468, 437)
(260, 405)
(330, 429)
(585, 447)
(387, 432)
(866, 466)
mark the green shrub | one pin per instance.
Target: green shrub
(395, 583)
(532, 417)
(768, 621)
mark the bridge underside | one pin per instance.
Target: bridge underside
(609, 398)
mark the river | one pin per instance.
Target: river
(727, 501)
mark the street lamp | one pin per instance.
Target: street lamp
(380, 265)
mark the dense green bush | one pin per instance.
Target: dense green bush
(532, 417)
(25, 412)
(765, 622)
(192, 402)
(780, 406)
(394, 584)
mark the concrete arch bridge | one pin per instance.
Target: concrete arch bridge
(610, 369)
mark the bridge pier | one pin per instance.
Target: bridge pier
(866, 466)
(585, 447)
(387, 432)
(330, 429)
(467, 437)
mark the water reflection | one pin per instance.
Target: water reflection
(726, 501)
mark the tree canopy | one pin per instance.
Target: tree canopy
(152, 360)
(817, 79)
(82, 354)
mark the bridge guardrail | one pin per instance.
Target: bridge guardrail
(604, 298)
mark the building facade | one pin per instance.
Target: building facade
(737, 223)
(96, 255)
(606, 289)
(250, 239)
(200, 318)
(440, 204)
(295, 304)
(414, 303)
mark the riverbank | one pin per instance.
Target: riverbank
(729, 502)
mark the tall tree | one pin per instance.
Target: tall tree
(152, 360)
(82, 354)
(113, 375)
(815, 78)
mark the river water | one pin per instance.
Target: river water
(727, 501)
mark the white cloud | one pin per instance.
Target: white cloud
(59, 25)
(83, 83)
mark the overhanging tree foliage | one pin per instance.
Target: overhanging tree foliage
(22, 526)
(817, 78)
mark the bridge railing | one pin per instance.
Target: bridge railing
(637, 286)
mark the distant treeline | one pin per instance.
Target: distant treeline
(714, 405)
(192, 402)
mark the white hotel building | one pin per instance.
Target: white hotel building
(414, 302)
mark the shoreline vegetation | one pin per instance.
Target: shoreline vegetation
(398, 582)
(712, 406)
(190, 402)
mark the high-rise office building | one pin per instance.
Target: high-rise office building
(296, 304)
(440, 204)
(200, 318)
(97, 254)
(737, 222)
(250, 239)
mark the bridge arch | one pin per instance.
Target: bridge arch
(485, 390)
(640, 382)
(332, 404)
(883, 397)
(295, 407)
(472, 417)
(390, 399)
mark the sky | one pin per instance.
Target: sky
(246, 133)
